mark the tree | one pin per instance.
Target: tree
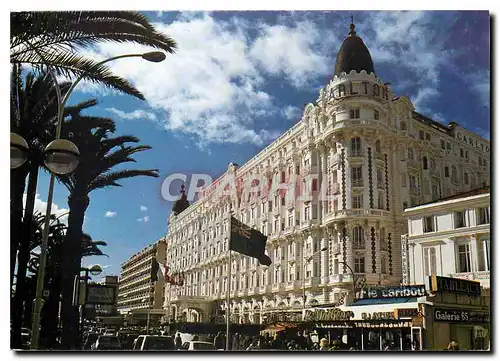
(52, 38)
(100, 155)
(53, 272)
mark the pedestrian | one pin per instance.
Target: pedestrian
(178, 341)
(323, 344)
(219, 341)
(236, 342)
(453, 346)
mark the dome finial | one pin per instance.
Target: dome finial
(352, 27)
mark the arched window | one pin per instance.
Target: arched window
(424, 160)
(453, 173)
(356, 147)
(466, 178)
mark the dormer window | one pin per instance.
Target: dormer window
(354, 113)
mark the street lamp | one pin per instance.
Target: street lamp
(61, 156)
(18, 151)
(144, 300)
(305, 263)
(55, 162)
(354, 280)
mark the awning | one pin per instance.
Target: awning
(382, 301)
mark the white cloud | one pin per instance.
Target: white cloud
(479, 82)
(212, 87)
(110, 214)
(136, 114)
(423, 95)
(143, 208)
(143, 219)
(41, 206)
(290, 112)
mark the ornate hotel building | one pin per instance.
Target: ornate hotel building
(374, 154)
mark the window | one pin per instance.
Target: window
(282, 201)
(354, 113)
(446, 172)
(427, 137)
(270, 206)
(464, 262)
(413, 182)
(461, 152)
(282, 177)
(377, 146)
(421, 135)
(428, 224)
(357, 176)
(359, 265)
(297, 169)
(405, 205)
(443, 145)
(358, 237)
(376, 115)
(483, 215)
(429, 261)
(356, 147)
(314, 185)
(410, 153)
(402, 125)
(383, 265)
(453, 173)
(459, 219)
(424, 160)
(435, 193)
(357, 202)
(466, 178)
(290, 220)
(448, 146)
(381, 200)
(306, 213)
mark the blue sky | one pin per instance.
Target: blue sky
(239, 79)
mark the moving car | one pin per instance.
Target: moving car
(107, 343)
(197, 346)
(153, 343)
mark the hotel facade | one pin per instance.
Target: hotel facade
(370, 152)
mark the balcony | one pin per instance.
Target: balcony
(356, 154)
(358, 245)
(357, 183)
(341, 278)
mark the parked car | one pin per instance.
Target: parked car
(198, 346)
(127, 340)
(107, 343)
(152, 343)
(89, 340)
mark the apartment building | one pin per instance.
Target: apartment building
(449, 237)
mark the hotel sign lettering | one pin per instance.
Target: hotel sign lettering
(455, 285)
(460, 316)
(394, 292)
(359, 88)
(472, 142)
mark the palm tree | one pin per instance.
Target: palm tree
(52, 38)
(100, 154)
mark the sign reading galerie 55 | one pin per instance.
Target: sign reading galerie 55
(393, 292)
(460, 315)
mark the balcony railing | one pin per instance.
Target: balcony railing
(472, 276)
(358, 245)
(380, 185)
(357, 183)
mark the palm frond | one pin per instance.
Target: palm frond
(111, 178)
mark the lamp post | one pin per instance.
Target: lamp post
(94, 270)
(60, 159)
(354, 280)
(305, 263)
(147, 322)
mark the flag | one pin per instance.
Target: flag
(248, 241)
(158, 271)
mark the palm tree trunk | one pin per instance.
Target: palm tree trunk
(23, 256)
(17, 185)
(78, 203)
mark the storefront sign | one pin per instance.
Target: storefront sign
(393, 292)
(332, 314)
(377, 315)
(455, 285)
(405, 313)
(460, 316)
(100, 295)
